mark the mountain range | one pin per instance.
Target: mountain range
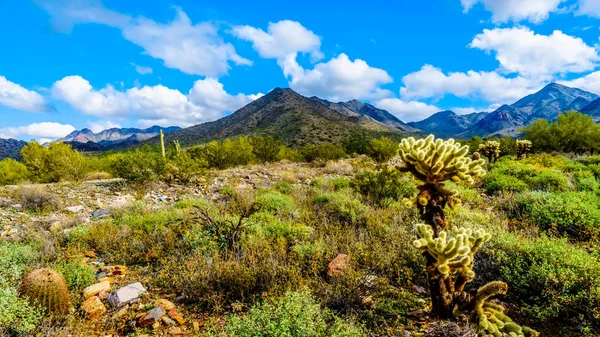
(86, 140)
(298, 120)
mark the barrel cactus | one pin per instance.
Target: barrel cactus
(46, 289)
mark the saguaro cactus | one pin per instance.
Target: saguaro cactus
(46, 289)
(177, 147)
(523, 148)
(162, 144)
(449, 252)
(490, 149)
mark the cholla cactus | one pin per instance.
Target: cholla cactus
(491, 317)
(490, 149)
(177, 147)
(46, 289)
(437, 161)
(523, 148)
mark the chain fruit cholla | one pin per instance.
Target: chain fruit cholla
(46, 289)
(450, 253)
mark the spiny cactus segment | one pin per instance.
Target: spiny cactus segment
(46, 289)
(434, 161)
(523, 148)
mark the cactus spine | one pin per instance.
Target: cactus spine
(490, 149)
(46, 289)
(162, 144)
(523, 148)
(450, 253)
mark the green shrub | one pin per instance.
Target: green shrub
(575, 214)
(266, 149)
(283, 187)
(17, 316)
(295, 314)
(549, 181)
(276, 202)
(382, 149)
(182, 168)
(269, 226)
(15, 259)
(382, 186)
(229, 153)
(12, 172)
(54, 163)
(342, 207)
(286, 153)
(555, 281)
(77, 274)
(139, 165)
(340, 183)
(322, 152)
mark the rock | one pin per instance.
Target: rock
(113, 270)
(166, 304)
(338, 265)
(17, 206)
(126, 295)
(151, 317)
(419, 290)
(176, 316)
(108, 279)
(122, 312)
(90, 254)
(156, 325)
(103, 295)
(175, 330)
(94, 307)
(94, 289)
(74, 209)
(99, 213)
(168, 321)
(196, 326)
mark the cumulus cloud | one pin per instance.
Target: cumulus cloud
(431, 82)
(142, 70)
(102, 125)
(407, 111)
(588, 7)
(590, 82)
(337, 79)
(37, 130)
(15, 96)
(534, 11)
(206, 101)
(520, 50)
(281, 39)
(196, 49)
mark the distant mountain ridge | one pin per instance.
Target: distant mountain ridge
(86, 140)
(284, 114)
(448, 122)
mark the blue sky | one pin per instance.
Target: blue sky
(67, 65)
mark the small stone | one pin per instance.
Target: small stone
(74, 209)
(175, 330)
(156, 325)
(100, 275)
(166, 304)
(108, 279)
(126, 295)
(90, 254)
(338, 265)
(168, 321)
(94, 289)
(196, 326)
(176, 316)
(119, 270)
(103, 295)
(94, 307)
(151, 317)
(122, 312)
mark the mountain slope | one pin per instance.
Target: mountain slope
(593, 109)
(356, 108)
(11, 148)
(547, 103)
(286, 115)
(447, 122)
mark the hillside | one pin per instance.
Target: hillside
(286, 115)
(86, 140)
(10, 148)
(447, 122)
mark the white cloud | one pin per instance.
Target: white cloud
(590, 82)
(15, 96)
(431, 82)
(142, 70)
(588, 7)
(206, 101)
(281, 39)
(37, 130)
(407, 111)
(534, 11)
(520, 50)
(191, 48)
(342, 79)
(102, 125)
